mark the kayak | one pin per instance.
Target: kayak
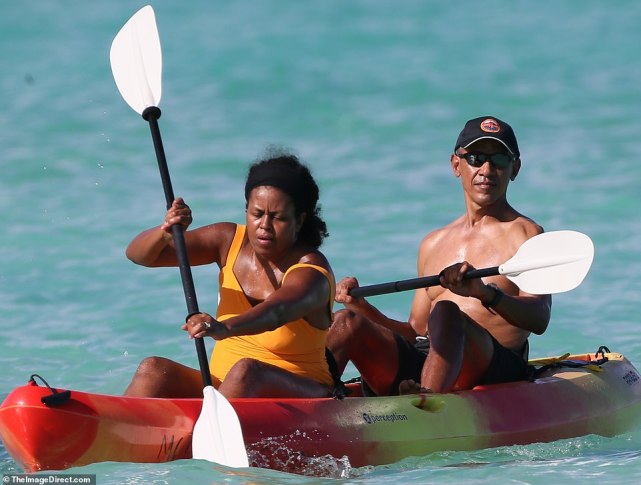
(45, 428)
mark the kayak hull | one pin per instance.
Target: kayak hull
(562, 403)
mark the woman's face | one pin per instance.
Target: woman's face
(272, 224)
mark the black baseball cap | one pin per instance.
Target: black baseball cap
(488, 127)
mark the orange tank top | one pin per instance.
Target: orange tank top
(297, 346)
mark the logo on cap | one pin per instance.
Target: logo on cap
(490, 125)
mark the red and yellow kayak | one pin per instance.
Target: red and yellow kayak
(583, 394)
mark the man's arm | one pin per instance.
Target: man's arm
(525, 311)
(364, 308)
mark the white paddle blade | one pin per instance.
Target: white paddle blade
(136, 61)
(552, 262)
(217, 435)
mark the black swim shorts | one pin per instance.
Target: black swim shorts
(506, 366)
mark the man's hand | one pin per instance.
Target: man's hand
(343, 288)
(453, 279)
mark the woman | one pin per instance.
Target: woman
(276, 292)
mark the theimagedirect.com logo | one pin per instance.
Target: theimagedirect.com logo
(68, 479)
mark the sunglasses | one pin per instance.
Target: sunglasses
(499, 160)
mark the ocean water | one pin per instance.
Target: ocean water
(372, 95)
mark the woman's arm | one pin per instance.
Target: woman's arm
(305, 291)
(155, 247)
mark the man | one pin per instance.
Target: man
(478, 329)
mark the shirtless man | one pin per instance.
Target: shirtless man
(478, 329)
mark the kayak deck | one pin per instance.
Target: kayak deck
(563, 402)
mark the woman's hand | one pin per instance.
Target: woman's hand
(178, 213)
(201, 325)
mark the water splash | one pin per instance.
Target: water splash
(278, 453)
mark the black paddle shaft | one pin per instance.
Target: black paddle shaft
(414, 283)
(151, 115)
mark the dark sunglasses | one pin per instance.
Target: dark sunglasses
(499, 160)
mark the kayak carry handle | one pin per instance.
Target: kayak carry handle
(56, 397)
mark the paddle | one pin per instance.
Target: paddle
(136, 63)
(551, 262)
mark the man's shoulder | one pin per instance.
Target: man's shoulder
(437, 234)
(524, 226)
(441, 235)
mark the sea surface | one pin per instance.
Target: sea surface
(372, 95)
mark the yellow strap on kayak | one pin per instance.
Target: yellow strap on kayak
(550, 360)
(556, 362)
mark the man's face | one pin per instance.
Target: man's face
(485, 177)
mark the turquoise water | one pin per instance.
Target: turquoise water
(372, 96)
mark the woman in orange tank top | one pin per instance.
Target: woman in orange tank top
(276, 292)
